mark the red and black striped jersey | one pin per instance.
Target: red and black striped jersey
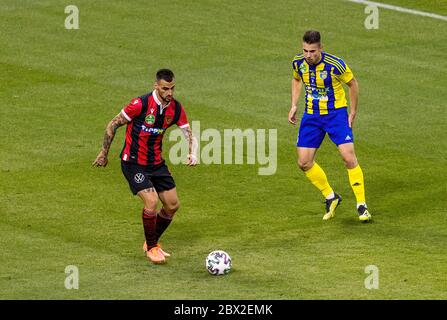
(148, 123)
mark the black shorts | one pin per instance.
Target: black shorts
(144, 177)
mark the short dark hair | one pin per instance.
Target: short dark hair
(164, 74)
(312, 36)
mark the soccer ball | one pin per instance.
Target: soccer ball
(218, 262)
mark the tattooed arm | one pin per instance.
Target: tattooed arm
(193, 145)
(118, 121)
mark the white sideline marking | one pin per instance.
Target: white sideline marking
(400, 9)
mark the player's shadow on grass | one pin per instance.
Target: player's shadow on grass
(355, 223)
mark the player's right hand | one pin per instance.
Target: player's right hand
(101, 160)
(292, 115)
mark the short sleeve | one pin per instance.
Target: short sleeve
(296, 74)
(133, 109)
(182, 121)
(347, 75)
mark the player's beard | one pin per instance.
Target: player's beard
(165, 99)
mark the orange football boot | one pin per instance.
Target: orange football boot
(155, 256)
(164, 253)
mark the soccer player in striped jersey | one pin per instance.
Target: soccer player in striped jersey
(323, 76)
(147, 118)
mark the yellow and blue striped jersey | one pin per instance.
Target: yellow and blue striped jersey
(323, 82)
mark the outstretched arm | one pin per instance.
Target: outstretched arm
(118, 121)
(193, 146)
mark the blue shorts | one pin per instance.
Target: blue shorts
(313, 129)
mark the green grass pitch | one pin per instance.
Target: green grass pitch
(232, 60)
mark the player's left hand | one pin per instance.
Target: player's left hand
(192, 160)
(351, 119)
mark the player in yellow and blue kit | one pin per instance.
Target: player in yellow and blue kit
(323, 76)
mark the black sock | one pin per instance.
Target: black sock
(149, 224)
(162, 224)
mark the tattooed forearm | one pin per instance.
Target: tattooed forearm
(101, 159)
(189, 139)
(113, 125)
(109, 135)
(192, 141)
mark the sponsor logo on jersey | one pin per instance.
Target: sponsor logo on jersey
(150, 119)
(303, 67)
(151, 130)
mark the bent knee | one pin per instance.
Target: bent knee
(150, 204)
(305, 164)
(350, 162)
(149, 197)
(172, 207)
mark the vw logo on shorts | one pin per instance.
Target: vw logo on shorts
(139, 177)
